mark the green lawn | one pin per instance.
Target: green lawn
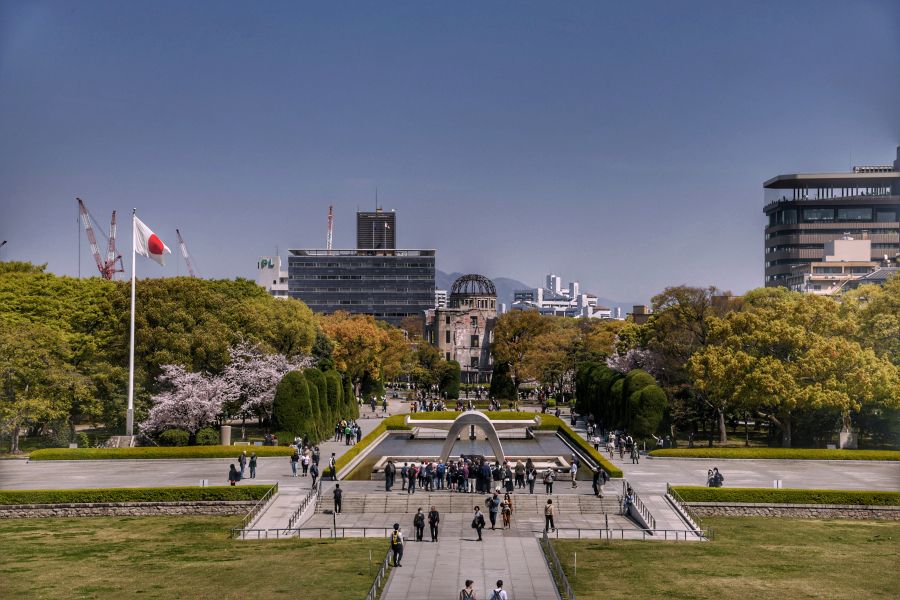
(749, 558)
(787, 496)
(175, 557)
(778, 453)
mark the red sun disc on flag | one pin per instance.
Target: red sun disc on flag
(155, 245)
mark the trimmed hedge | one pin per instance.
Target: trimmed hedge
(775, 453)
(552, 423)
(787, 496)
(163, 494)
(500, 415)
(156, 452)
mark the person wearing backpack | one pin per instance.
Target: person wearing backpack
(419, 524)
(499, 593)
(531, 477)
(548, 481)
(389, 472)
(397, 545)
(411, 475)
(548, 517)
(478, 522)
(468, 592)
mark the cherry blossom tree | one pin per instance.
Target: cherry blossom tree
(190, 401)
(636, 358)
(251, 377)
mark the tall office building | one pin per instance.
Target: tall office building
(808, 210)
(376, 230)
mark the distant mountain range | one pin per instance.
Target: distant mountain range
(506, 288)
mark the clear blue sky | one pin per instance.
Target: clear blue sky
(620, 143)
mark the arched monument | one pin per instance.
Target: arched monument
(480, 420)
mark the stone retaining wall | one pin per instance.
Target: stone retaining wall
(125, 509)
(796, 511)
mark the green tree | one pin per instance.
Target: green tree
(502, 386)
(514, 338)
(326, 418)
(647, 407)
(292, 410)
(450, 380)
(336, 404)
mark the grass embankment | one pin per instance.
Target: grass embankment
(552, 423)
(787, 496)
(749, 558)
(145, 452)
(161, 494)
(776, 453)
(175, 557)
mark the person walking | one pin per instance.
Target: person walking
(397, 545)
(520, 475)
(295, 456)
(404, 472)
(389, 472)
(332, 466)
(548, 517)
(493, 509)
(233, 475)
(635, 455)
(304, 462)
(242, 461)
(314, 473)
(468, 592)
(507, 509)
(411, 476)
(338, 498)
(548, 481)
(419, 524)
(574, 471)
(499, 593)
(477, 522)
(434, 518)
(531, 477)
(252, 465)
(596, 483)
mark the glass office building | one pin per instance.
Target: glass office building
(387, 284)
(807, 210)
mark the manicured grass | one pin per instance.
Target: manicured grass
(784, 453)
(749, 558)
(553, 423)
(145, 452)
(175, 557)
(162, 494)
(787, 496)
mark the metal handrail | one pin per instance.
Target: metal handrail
(313, 495)
(620, 533)
(695, 521)
(322, 532)
(248, 518)
(567, 588)
(380, 577)
(638, 504)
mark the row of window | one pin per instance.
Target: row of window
(367, 277)
(368, 264)
(384, 290)
(838, 232)
(366, 302)
(819, 215)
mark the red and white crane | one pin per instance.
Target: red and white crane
(184, 253)
(106, 267)
(329, 237)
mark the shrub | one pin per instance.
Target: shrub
(147, 452)
(502, 385)
(326, 415)
(284, 438)
(450, 378)
(292, 410)
(551, 403)
(163, 494)
(174, 437)
(393, 423)
(207, 437)
(647, 408)
(336, 395)
(83, 440)
(350, 403)
(491, 414)
(787, 496)
(775, 453)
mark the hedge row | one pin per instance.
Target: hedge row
(156, 452)
(552, 423)
(499, 415)
(163, 494)
(394, 423)
(785, 453)
(787, 496)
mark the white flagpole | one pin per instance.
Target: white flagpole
(129, 417)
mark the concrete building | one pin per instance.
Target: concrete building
(557, 301)
(806, 211)
(389, 285)
(440, 298)
(464, 330)
(270, 276)
(376, 230)
(846, 263)
(640, 313)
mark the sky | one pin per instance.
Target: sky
(622, 144)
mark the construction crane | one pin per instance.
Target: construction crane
(106, 267)
(329, 238)
(184, 253)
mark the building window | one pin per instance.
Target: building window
(885, 216)
(474, 362)
(474, 341)
(854, 214)
(447, 336)
(474, 321)
(448, 356)
(818, 214)
(447, 319)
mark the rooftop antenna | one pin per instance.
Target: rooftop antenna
(329, 238)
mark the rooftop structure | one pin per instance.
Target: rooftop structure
(808, 210)
(555, 300)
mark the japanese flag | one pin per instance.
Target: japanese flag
(146, 243)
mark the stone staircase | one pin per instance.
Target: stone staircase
(449, 502)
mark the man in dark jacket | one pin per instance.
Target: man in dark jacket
(338, 497)
(433, 519)
(493, 509)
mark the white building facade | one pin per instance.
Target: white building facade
(558, 301)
